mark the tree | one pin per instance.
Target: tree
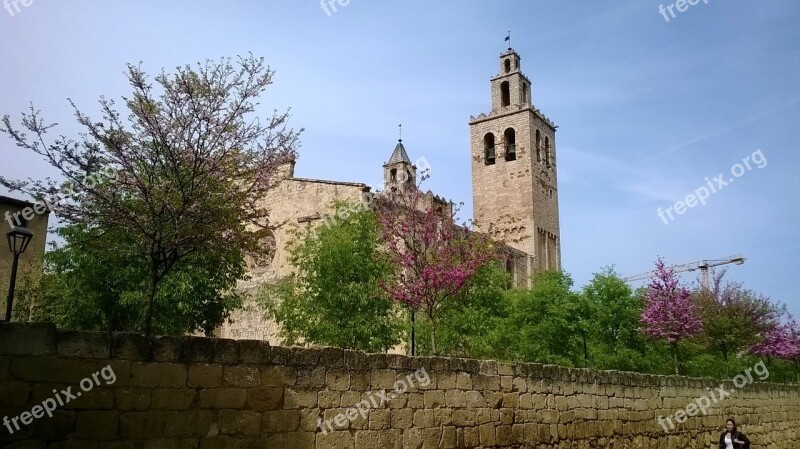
(549, 321)
(191, 163)
(733, 317)
(433, 258)
(91, 283)
(617, 313)
(670, 314)
(334, 298)
(474, 324)
(782, 341)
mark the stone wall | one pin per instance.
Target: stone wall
(191, 392)
(295, 204)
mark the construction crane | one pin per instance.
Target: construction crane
(702, 265)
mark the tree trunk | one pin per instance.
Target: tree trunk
(413, 335)
(433, 337)
(725, 358)
(151, 295)
(675, 357)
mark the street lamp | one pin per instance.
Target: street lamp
(18, 240)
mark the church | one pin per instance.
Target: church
(514, 194)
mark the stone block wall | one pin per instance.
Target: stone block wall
(192, 392)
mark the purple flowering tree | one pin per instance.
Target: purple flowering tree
(433, 257)
(669, 314)
(782, 341)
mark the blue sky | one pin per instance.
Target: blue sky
(647, 109)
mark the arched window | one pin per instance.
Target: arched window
(508, 65)
(538, 146)
(488, 149)
(510, 138)
(524, 93)
(393, 175)
(547, 151)
(505, 94)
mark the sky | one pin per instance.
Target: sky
(650, 108)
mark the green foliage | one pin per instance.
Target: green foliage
(473, 323)
(335, 298)
(617, 310)
(734, 318)
(615, 341)
(191, 163)
(549, 321)
(95, 281)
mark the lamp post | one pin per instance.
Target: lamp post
(18, 240)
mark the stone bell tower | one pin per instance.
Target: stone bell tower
(514, 184)
(399, 173)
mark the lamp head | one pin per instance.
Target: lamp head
(18, 239)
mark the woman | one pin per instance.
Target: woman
(731, 438)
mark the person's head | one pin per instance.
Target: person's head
(730, 425)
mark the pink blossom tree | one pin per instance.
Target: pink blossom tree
(432, 255)
(781, 341)
(669, 314)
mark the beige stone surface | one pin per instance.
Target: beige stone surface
(516, 202)
(301, 398)
(30, 260)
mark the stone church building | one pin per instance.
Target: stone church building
(514, 190)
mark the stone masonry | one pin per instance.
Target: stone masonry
(192, 392)
(30, 261)
(515, 201)
(296, 204)
(514, 184)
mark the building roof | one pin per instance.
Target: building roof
(399, 154)
(326, 181)
(14, 201)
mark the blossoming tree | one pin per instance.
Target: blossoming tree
(669, 314)
(433, 256)
(781, 341)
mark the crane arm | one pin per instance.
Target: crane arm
(701, 264)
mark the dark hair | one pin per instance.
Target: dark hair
(731, 420)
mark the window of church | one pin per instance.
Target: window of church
(538, 146)
(488, 149)
(510, 144)
(547, 151)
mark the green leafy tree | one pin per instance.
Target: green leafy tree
(334, 298)
(549, 321)
(734, 318)
(616, 311)
(190, 160)
(94, 281)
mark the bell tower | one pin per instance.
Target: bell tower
(399, 173)
(514, 183)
